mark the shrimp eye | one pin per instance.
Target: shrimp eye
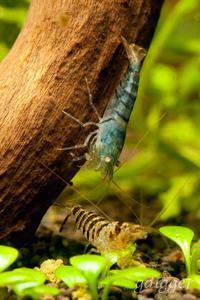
(107, 159)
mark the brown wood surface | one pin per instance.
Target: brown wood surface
(62, 42)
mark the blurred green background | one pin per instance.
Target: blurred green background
(161, 158)
(12, 15)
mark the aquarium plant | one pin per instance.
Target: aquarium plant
(89, 270)
(127, 278)
(23, 281)
(85, 269)
(183, 237)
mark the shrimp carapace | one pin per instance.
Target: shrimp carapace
(106, 142)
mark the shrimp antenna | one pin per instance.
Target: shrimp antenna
(165, 209)
(141, 140)
(127, 195)
(141, 209)
(124, 201)
(75, 189)
(170, 202)
(134, 52)
(121, 199)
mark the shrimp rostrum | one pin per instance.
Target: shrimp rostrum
(106, 143)
(114, 240)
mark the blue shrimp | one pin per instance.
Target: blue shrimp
(107, 141)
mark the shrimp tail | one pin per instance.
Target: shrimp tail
(134, 52)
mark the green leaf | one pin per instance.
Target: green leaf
(7, 256)
(192, 282)
(71, 276)
(118, 281)
(182, 236)
(114, 257)
(33, 274)
(9, 278)
(195, 259)
(38, 291)
(136, 273)
(90, 265)
(115, 280)
(34, 278)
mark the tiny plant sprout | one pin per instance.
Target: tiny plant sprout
(34, 278)
(117, 281)
(192, 282)
(195, 259)
(127, 278)
(71, 276)
(136, 273)
(182, 236)
(7, 256)
(10, 278)
(91, 266)
(38, 291)
(23, 281)
(116, 256)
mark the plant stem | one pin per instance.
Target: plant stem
(106, 269)
(106, 292)
(188, 264)
(93, 288)
(187, 255)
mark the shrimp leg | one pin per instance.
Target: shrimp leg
(85, 144)
(76, 158)
(93, 107)
(91, 102)
(78, 121)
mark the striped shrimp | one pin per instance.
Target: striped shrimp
(106, 143)
(110, 238)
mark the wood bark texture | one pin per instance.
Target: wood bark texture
(62, 42)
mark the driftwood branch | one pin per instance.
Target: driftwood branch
(62, 42)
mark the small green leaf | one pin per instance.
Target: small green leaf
(115, 256)
(195, 259)
(192, 282)
(9, 278)
(118, 281)
(33, 274)
(115, 280)
(34, 278)
(90, 265)
(111, 257)
(182, 236)
(38, 291)
(45, 290)
(136, 273)
(7, 256)
(127, 278)
(71, 276)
